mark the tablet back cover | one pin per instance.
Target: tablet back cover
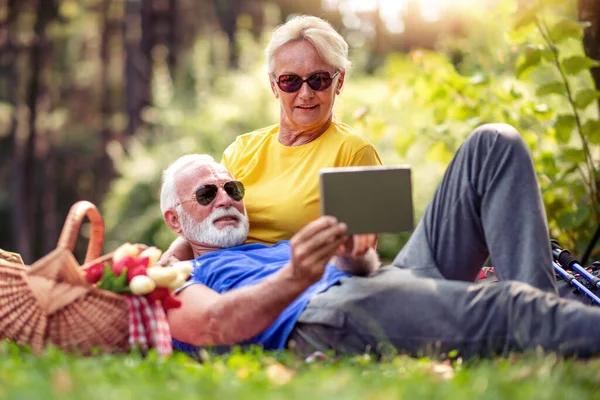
(373, 199)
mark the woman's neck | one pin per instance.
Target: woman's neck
(291, 137)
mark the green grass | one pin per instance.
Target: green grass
(258, 375)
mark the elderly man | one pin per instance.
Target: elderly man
(316, 292)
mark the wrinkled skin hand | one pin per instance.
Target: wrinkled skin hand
(356, 246)
(314, 245)
(179, 250)
(166, 260)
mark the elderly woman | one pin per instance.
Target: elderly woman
(279, 165)
(307, 62)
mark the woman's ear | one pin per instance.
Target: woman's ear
(172, 220)
(340, 82)
(273, 86)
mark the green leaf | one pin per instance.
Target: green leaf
(566, 29)
(460, 112)
(574, 219)
(112, 282)
(440, 114)
(547, 54)
(575, 64)
(585, 97)
(591, 130)
(403, 142)
(529, 60)
(528, 16)
(564, 126)
(516, 93)
(439, 152)
(565, 173)
(555, 87)
(573, 155)
(520, 35)
(548, 161)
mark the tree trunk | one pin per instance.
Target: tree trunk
(172, 41)
(589, 10)
(24, 157)
(227, 12)
(46, 152)
(45, 11)
(138, 65)
(105, 170)
(11, 54)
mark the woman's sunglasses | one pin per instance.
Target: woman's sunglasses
(318, 81)
(206, 194)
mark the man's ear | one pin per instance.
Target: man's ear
(273, 86)
(172, 220)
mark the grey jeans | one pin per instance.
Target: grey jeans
(487, 205)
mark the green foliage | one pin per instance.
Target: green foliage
(203, 117)
(112, 282)
(547, 97)
(263, 375)
(417, 110)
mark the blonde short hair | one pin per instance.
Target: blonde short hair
(330, 45)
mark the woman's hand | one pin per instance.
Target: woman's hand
(179, 250)
(356, 246)
(357, 255)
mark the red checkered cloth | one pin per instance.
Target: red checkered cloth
(148, 327)
(487, 274)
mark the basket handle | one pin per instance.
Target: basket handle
(70, 230)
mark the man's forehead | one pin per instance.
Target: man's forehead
(206, 173)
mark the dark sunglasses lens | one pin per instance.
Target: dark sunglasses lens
(206, 194)
(289, 83)
(235, 190)
(319, 81)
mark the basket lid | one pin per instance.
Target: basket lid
(55, 280)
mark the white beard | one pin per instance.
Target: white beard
(207, 233)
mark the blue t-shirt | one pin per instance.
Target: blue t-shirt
(249, 264)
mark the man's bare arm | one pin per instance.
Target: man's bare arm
(208, 318)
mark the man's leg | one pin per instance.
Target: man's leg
(397, 310)
(488, 204)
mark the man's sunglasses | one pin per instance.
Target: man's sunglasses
(206, 194)
(318, 81)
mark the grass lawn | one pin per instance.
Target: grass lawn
(257, 375)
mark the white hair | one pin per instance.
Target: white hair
(168, 195)
(330, 45)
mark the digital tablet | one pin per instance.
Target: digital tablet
(375, 199)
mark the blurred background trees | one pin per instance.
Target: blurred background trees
(98, 96)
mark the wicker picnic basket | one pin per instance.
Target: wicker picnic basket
(51, 303)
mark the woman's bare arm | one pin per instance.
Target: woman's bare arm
(179, 250)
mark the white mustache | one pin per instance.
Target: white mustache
(226, 212)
